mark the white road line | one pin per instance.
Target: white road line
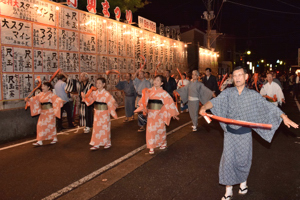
(102, 169)
(29, 141)
(60, 133)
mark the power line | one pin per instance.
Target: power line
(276, 11)
(288, 4)
(217, 14)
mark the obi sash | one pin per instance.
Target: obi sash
(46, 106)
(155, 104)
(100, 106)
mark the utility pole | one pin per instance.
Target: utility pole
(208, 15)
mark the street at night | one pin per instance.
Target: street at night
(149, 99)
(188, 169)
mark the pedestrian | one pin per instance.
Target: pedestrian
(160, 108)
(270, 89)
(104, 106)
(275, 80)
(170, 83)
(148, 78)
(291, 83)
(192, 94)
(210, 81)
(61, 92)
(140, 83)
(48, 106)
(241, 103)
(130, 96)
(181, 83)
(82, 86)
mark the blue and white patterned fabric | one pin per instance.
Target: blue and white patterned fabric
(249, 106)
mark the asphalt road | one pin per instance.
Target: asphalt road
(188, 169)
(28, 172)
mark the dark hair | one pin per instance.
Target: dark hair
(147, 73)
(209, 69)
(48, 84)
(184, 75)
(162, 79)
(129, 74)
(167, 70)
(60, 76)
(103, 80)
(238, 68)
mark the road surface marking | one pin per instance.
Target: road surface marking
(103, 169)
(60, 133)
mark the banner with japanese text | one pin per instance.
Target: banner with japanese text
(37, 37)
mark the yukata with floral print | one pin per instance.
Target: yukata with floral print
(104, 106)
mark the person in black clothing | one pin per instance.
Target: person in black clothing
(169, 83)
(210, 81)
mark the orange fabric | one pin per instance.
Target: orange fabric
(31, 93)
(176, 95)
(180, 75)
(157, 68)
(46, 126)
(222, 81)
(102, 122)
(274, 98)
(255, 80)
(53, 76)
(158, 119)
(238, 122)
(144, 62)
(112, 71)
(143, 105)
(93, 88)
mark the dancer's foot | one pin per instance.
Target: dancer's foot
(162, 147)
(142, 129)
(54, 141)
(151, 151)
(243, 188)
(38, 143)
(94, 148)
(228, 194)
(86, 130)
(194, 128)
(227, 197)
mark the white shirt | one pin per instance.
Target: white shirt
(271, 90)
(185, 83)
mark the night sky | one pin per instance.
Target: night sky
(269, 35)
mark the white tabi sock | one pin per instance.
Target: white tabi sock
(40, 142)
(228, 190)
(243, 185)
(55, 139)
